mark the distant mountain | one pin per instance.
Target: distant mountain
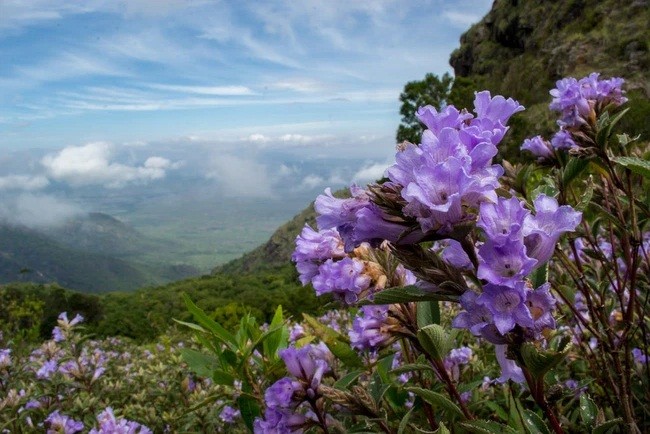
(88, 255)
(102, 233)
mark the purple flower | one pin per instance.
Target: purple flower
(475, 317)
(341, 214)
(456, 358)
(448, 117)
(539, 147)
(308, 364)
(279, 422)
(296, 332)
(47, 369)
(543, 230)
(502, 220)
(5, 358)
(541, 303)
(454, 255)
(497, 109)
(229, 414)
(343, 278)
(434, 196)
(57, 423)
(563, 140)
(280, 393)
(507, 306)
(367, 329)
(109, 424)
(509, 368)
(639, 356)
(569, 100)
(317, 246)
(504, 264)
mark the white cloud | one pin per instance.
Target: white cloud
(241, 177)
(299, 85)
(310, 182)
(38, 210)
(23, 182)
(91, 164)
(370, 173)
(206, 90)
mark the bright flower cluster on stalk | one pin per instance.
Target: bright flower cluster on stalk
(443, 188)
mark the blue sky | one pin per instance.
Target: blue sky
(111, 93)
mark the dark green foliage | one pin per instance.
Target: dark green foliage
(30, 310)
(433, 90)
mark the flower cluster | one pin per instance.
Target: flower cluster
(283, 398)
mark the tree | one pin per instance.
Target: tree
(434, 91)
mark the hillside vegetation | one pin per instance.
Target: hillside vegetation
(521, 48)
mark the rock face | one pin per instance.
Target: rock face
(520, 48)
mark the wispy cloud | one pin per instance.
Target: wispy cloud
(27, 209)
(23, 182)
(206, 90)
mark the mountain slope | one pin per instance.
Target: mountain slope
(521, 48)
(28, 255)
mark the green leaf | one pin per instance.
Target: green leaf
(438, 401)
(412, 367)
(344, 382)
(435, 340)
(534, 424)
(539, 276)
(606, 426)
(202, 364)
(636, 165)
(249, 409)
(407, 294)
(209, 324)
(588, 410)
(428, 312)
(573, 169)
(538, 361)
(277, 339)
(486, 427)
(222, 377)
(404, 422)
(442, 429)
(615, 120)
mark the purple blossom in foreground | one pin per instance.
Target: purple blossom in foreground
(509, 369)
(496, 109)
(341, 214)
(57, 423)
(541, 304)
(575, 99)
(503, 220)
(229, 414)
(317, 246)
(539, 147)
(280, 393)
(505, 264)
(368, 328)
(507, 306)
(454, 254)
(308, 364)
(344, 278)
(563, 140)
(279, 422)
(109, 424)
(542, 231)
